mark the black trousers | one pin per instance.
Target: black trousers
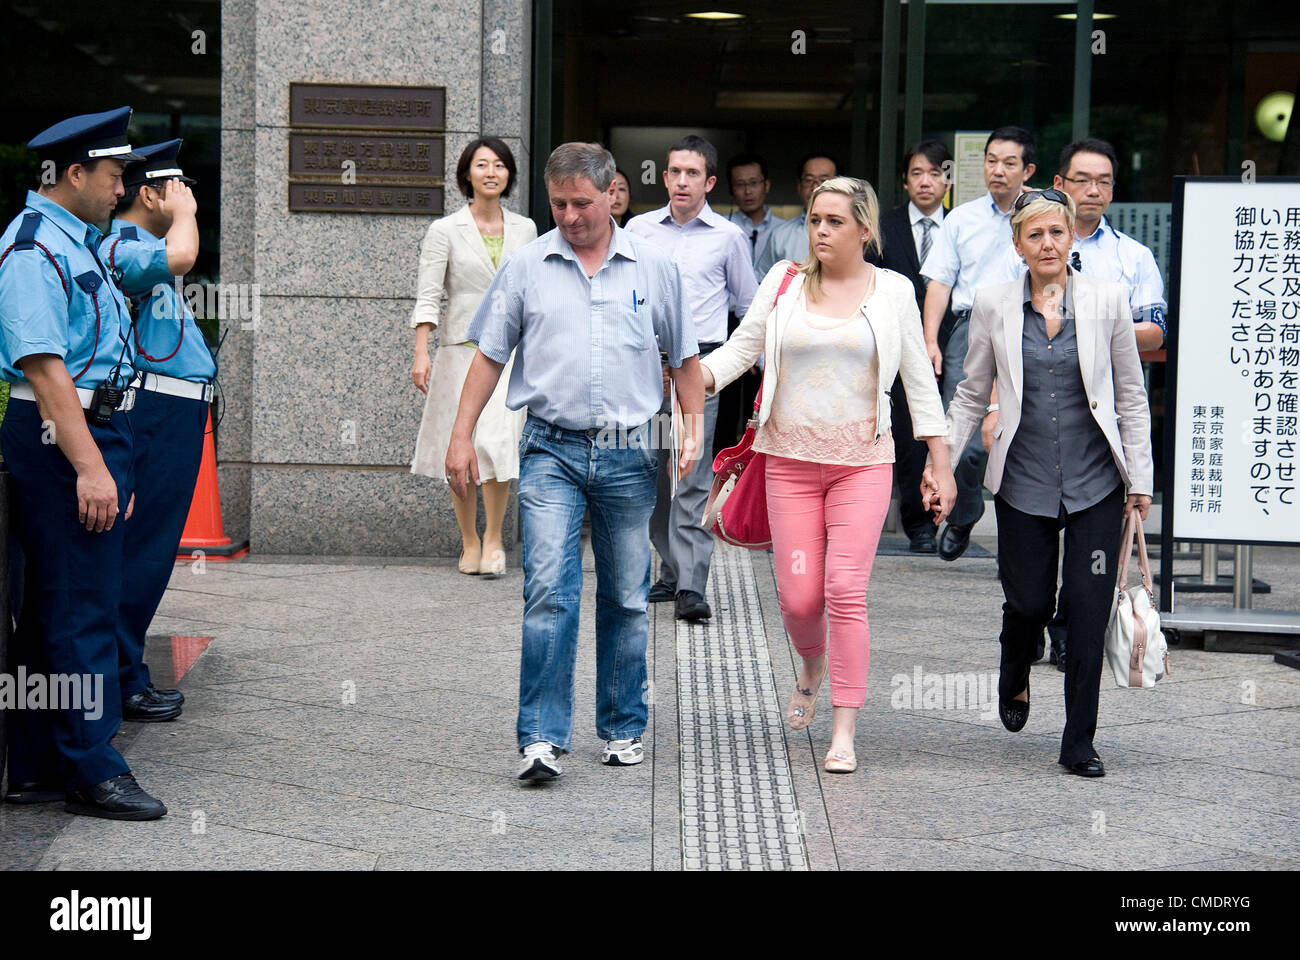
(1027, 557)
(909, 464)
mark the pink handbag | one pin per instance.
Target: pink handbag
(737, 507)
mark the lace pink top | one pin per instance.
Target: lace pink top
(824, 407)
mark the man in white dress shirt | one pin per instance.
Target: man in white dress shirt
(712, 255)
(969, 252)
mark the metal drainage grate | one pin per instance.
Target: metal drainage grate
(738, 804)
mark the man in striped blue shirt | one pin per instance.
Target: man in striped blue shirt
(716, 268)
(586, 308)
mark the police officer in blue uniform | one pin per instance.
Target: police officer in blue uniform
(1087, 172)
(152, 242)
(65, 348)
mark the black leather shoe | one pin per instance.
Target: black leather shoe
(922, 543)
(692, 606)
(954, 540)
(1014, 714)
(145, 707)
(34, 791)
(663, 591)
(165, 696)
(117, 799)
(1086, 768)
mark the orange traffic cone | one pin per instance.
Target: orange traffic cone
(203, 525)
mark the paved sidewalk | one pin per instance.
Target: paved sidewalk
(360, 715)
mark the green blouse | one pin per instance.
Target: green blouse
(494, 245)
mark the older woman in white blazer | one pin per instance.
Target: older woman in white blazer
(834, 341)
(1071, 450)
(459, 257)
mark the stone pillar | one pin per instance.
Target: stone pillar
(321, 416)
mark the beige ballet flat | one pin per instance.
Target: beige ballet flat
(841, 762)
(800, 716)
(493, 566)
(469, 567)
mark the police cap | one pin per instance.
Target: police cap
(157, 165)
(90, 136)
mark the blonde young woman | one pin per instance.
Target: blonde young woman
(459, 257)
(835, 341)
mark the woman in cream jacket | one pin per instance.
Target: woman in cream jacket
(834, 341)
(459, 257)
(1071, 450)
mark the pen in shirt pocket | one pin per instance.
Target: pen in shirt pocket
(634, 301)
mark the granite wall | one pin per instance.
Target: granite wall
(320, 414)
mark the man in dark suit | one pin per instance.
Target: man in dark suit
(906, 233)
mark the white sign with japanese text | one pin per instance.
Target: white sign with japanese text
(1235, 446)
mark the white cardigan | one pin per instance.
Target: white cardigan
(900, 347)
(454, 259)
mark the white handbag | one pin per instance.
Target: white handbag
(1135, 646)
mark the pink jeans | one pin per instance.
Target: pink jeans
(826, 522)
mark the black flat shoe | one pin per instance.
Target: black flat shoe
(34, 791)
(922, 544)
(1086, 768)
(954, 540)
(1014, 714)
(119, 798)
(663, 591)
(145, 707)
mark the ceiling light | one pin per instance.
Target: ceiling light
(715, 15)
(1095, 16)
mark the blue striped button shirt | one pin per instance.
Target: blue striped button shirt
(586, 355)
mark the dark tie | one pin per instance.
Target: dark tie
(926, 226)
(753, 241)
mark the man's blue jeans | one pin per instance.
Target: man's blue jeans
(562, 473)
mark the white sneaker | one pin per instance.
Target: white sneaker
(623, 753)
(539, 762)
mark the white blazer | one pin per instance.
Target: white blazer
(1108, 363)
(454, 260)
(895, 323)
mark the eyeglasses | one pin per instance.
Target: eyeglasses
(808, 180)
(1056, 196)
(1101, 183)
(747, 184)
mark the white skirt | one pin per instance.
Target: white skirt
(496, 435)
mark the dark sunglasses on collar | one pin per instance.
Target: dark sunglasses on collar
(1051, 193)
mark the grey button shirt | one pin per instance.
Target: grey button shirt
(1059, 456)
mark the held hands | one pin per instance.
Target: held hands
(420, 371)
(178, 200)
(97, 499)
(1139, 502)
(938, 495)
(461, 465)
